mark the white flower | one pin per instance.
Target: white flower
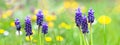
(6, 33)
(17, 32)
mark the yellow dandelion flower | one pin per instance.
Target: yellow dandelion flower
(48, 39)
(104, 19)
(67, 27)
(2, 31)
(34, 40)
(12, 24)
(9, 12)
(50, 18)
(27, 38)
(34, 17)
(36, 11)
(50, 24)
(67, 4)
(45, 12)
(62, 25)
(59, 38)
(74, 4)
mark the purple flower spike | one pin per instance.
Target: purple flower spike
(90, 16)
(17, 24)
(84, 25)
(44, 28)
(39, 18)
(78, 17)
(28, 27)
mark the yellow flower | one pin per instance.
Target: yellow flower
(12, 24)
(74, 4)
(104, 19)
(50, 18)
(62, 25)
(67, 27)
(59, 38)
(4, 16)
(34, 17)
(9, 12)
(36, 11)
(67, 4)
(29, 38)
(2, 31)
(48, 39)
(34, 40)
(50, 24)
(45, 12)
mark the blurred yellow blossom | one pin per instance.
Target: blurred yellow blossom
(64, 25)
(7, 14)
(34, 17)
(59, 38)
(68, 27)
(45, 12)
(34, 40)
(36, 11)
(104, 19)
(12, 24)
(74, 4)
(28, 39)
(50, 24)
(48, 39)
(2, 31)
(50, 18)
(67, 4)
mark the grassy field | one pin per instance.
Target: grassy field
(60, 17)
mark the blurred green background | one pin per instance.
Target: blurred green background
(59, 14)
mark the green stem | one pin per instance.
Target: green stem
(80, 36)
(91, 41)
(86, 40)
(39, 35)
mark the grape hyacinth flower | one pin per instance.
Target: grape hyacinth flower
(78, 21)
(90, 16)
(91, 20)
(84, 25)
(28, 27)
(39, 19)
(78, 17)
(44, 28)
(17, 24)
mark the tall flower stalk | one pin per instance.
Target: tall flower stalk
(44, 29)
(84, 27)
(78, 21)
(91, 20)
(39, 22)
(18, 26)
(28, 27)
